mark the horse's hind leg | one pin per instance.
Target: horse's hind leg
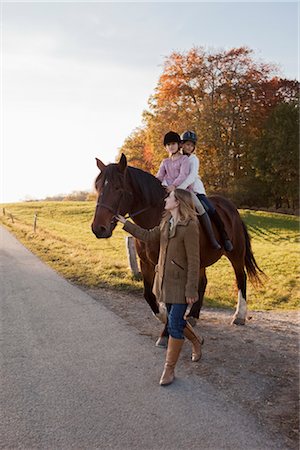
(240, 314)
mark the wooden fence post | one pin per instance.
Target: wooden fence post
(3, 210)
(34, 222)
(12, 217)
(132, 259)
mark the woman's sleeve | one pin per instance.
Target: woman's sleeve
(142, 234)
(193, 174)
(192, 248)
(161, 171)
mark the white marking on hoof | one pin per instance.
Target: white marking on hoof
(162, 342)
(240, 314)
(162, 315)
(192, 321)
(237, 321)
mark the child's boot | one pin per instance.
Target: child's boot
(208, 229)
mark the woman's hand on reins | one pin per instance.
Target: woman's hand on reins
(120, 218)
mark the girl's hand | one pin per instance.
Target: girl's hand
(120, 218)
(191, 300)
(170, 188)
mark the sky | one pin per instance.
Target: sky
(76, 77)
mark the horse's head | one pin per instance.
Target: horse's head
(113, 197)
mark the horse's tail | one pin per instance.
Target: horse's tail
(254, 273)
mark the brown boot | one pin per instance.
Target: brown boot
(173, 352)
(196, 341)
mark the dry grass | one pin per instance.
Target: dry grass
(64, 240)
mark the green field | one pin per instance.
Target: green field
(63, 239)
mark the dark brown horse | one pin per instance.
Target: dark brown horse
(127, 190)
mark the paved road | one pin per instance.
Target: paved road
(75, 376)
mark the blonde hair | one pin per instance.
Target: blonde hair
(186, 207)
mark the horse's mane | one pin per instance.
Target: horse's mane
(145, 185)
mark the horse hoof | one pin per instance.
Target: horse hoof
(192, 321)
(162, 342)
(238, 321)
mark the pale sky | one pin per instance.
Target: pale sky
(76, 77)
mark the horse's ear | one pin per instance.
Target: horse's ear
(101, 166)
(122, 164)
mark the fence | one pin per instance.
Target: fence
(129, 242)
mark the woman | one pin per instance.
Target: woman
(177, 272)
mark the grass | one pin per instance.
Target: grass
(64, 240)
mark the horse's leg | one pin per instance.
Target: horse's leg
(195, 310)
(150, 297)
(240, 314)
(162, 341)
(151, 300)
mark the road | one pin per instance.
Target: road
(76, 376)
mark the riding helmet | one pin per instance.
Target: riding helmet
(189, 136)
(171, 137)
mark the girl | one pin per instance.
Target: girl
(174, 169)
(177, 272)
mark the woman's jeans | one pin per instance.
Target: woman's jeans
(176, 321)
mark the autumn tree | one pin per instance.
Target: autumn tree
(138, 150)
(222, 96)
(226, 97)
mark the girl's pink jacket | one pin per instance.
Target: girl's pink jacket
(173, 172)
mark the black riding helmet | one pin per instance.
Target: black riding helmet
(170, 137)
(189, 136)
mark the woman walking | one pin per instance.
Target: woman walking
(177, 272)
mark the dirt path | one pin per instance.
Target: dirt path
(256, 365)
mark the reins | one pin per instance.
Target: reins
(137, 212)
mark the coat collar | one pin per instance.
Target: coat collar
(172, 232)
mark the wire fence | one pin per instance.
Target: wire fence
(129, 240)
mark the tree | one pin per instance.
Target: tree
(226, 97)
(277, 155)
(222, 96)
(138, 150)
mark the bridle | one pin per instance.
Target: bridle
(116, 211)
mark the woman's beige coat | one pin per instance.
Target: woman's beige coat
(177, 271)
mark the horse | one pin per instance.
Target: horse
(123, 189)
